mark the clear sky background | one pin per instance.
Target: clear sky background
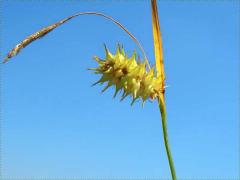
(55, 125)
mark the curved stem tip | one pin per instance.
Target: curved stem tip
(42, 32)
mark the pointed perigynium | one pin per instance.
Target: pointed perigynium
(128, 75)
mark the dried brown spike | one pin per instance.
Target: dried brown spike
(33, 37)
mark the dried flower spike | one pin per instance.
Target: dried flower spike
(128, 75)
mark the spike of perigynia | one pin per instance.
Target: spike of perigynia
(126, 74)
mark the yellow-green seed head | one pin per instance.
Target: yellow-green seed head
(128, 75)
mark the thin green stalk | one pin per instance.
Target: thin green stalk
(162, 108)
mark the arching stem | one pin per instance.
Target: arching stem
(46, 30)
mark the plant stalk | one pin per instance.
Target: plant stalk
(158, 50)
(162, 108)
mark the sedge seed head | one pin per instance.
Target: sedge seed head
(128, 75)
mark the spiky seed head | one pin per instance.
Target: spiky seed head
(128, 75)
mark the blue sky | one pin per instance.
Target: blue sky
(55, 125)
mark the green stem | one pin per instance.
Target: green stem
(162, 108)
